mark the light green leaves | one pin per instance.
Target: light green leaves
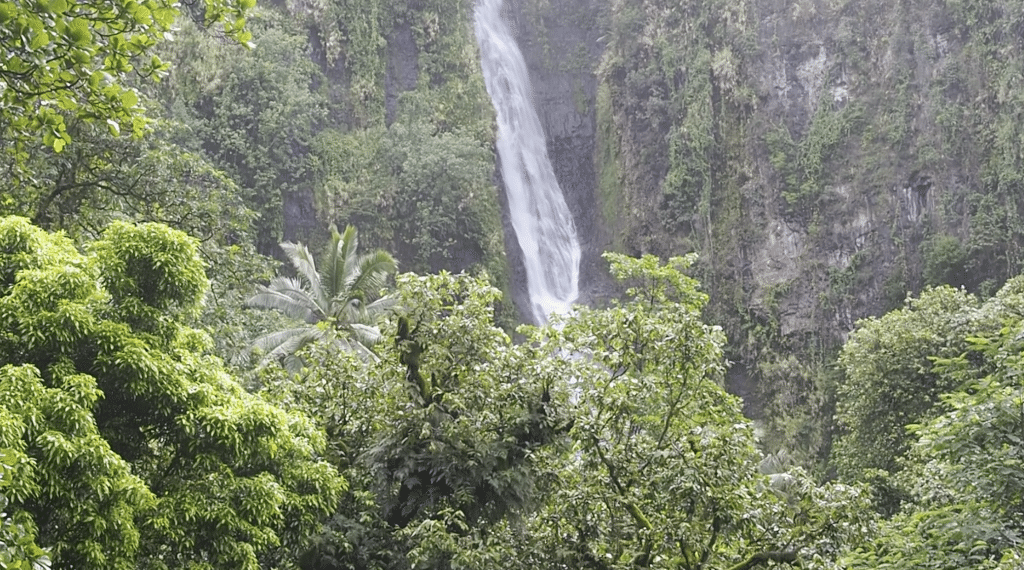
(133, 446)
(154, 264)
(47, 48)
(961, 474)
(40, 39)
(8, 11)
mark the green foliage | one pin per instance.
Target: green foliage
(18, 549)
(465, 450)
(299, 125)
(136, 449)
(733, 117)
(797, 391)
(150, 180)
(889, 378)
(945, 261)
(658, 469)
(926, 387)
(63, 458)
(675, 73)
(801, 164)
(354, 32)
(964, 472)
(470, 411)
(443, 427)
(152, 264)
(428, 196)
(63, 59)
(106, 178)
(253, 113)
(442, 199)
(609, 185)
(662, 471)
(651, 376)
(992, 253)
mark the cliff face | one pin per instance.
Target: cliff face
(824, 157)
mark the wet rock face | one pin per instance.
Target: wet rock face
(402, 70)
(810, 60)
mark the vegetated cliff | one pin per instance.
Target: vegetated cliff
(825, 157)
(364, 112)
(413, 148)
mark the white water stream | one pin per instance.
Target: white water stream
(537, 208)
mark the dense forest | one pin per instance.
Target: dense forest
(260, 307)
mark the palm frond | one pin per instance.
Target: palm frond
(365, 335)
(355, 311)
(333, 267)
(293, 364)
(374, 269)
(296, 289)
(293, 303)
(284, 344)
(375, 310)
(385, 303)
(271, 341)
(358, 348)
(350, 259)
(300, 258)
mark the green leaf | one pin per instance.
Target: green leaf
(39, 40)
(8, 12)
(129, 98)
(79, 33)
(143, 16)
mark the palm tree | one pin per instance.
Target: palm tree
(341, 301)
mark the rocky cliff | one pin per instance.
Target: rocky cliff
(825, 157)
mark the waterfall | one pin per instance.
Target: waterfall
(543, 224)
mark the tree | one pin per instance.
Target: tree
(965, 471)
(341, 302)
(605, 444)
(18, 548)
(65, 58)
(253, 113)
(662, 471)
(424, 194)
(134, 447)
(892, 379)
(444, 426)
(889, 377)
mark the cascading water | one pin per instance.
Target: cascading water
(537, 208)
